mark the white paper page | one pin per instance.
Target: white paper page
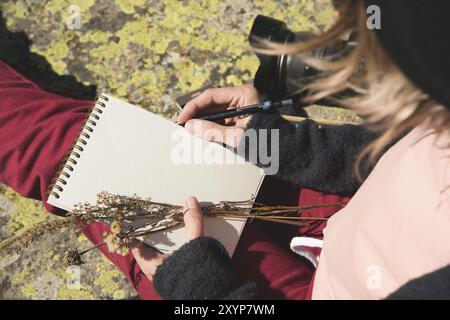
(131, 151)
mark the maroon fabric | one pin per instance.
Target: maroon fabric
(310, 197)
(36, 130)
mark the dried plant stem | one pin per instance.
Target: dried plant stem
(256, 216)
(304, 207)
(91, 248)
(296, 223)
(36, 232)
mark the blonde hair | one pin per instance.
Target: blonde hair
(386, 99)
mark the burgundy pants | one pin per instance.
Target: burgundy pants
(38, 127)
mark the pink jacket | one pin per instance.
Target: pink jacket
(395, 228)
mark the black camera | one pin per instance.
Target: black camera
(278, 76)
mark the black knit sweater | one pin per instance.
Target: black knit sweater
(312, 156)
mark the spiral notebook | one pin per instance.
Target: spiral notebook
(124, 149)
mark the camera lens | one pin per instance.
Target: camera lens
(270, 74)
(279, 76)
(275, 73)
(269, 29)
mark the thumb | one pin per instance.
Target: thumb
(193, 218)
(212, 131)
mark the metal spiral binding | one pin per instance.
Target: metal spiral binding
(71, 159)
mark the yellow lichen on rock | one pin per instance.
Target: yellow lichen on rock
(106, 280)
(27, 212)
(127, 6)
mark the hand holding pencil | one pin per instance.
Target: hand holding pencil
(222, 114)
(228, 130)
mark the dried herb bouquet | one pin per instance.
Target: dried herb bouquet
(132, 217)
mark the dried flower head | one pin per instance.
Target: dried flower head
(72, 258)
(116, 227)
(117, 244)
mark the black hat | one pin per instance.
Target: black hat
(416, 35)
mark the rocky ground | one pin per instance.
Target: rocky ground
(145, 51)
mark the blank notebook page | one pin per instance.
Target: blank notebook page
(132, 151)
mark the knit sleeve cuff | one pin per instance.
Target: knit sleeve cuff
(201, 269)
(264, 132)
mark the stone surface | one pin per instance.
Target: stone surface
(144, 51)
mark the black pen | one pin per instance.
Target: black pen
(254, 108)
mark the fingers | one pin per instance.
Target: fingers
(147, 258)
(144, 252)
(212, 131)
(213, 96)
(193, 218)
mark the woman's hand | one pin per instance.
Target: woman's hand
(149, 259)
(231, 130)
